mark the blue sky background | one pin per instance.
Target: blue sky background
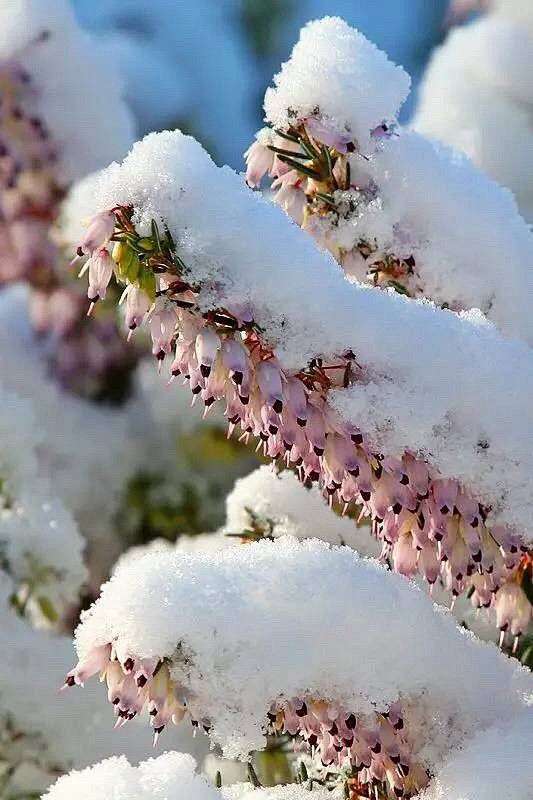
(195, 63)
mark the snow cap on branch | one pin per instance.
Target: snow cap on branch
(278, 504)
(40, 542)
(338, 77)
(476, 95)
(495, 765)
(235, 635)
(404, 213)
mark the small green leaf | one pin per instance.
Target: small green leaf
(155, 235)
(291, 162)
(47, 609)
(146, 280)
(133, 268)
(252, 775)
(289, 153)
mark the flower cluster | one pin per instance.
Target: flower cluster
(358, 184)
(311, 168)
(375, 746)
(428, 524)
(29, 189)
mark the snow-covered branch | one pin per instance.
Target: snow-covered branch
(170, 775)
(419, 415)
(40, 545)
(231, 639)
(394, 209)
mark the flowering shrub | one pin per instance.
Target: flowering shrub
(382, 365)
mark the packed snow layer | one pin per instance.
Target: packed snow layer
(77, 92)
(496, 765)
(282, 504)
(336, 72)
(476, 95)
(171, 775)
(241, 628)
(448, 387)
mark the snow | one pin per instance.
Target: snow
(40, 543)
(245, 791)
(240, 628)
(281, 503)
(170, 775)
(496, 765)
(335, 69)
(476, 95)
(471, 246)
(77, 92)
(449, 387)
(416, 199)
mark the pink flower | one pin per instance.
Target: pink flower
(162, 329)
(291, 198)
(137, 307)
(98, 233)
(259, 161)
(513, 610)
(326, 134)
(101, 267)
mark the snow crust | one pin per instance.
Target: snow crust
(245, 626)
(448, 387)
(77, 91)
(337, 70)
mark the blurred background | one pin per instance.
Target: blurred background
(203, 65)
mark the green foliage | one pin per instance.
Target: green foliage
(209, 464)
